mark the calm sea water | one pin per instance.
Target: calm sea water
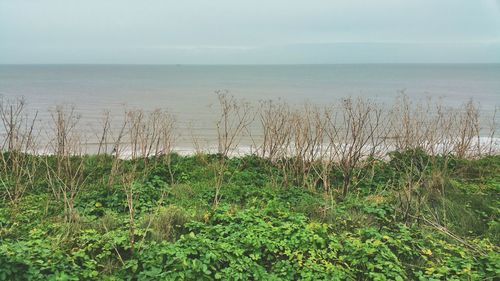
(188, 90)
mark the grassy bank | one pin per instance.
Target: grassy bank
(205, 217)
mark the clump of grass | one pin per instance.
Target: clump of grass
(108, 222)
(168, 223)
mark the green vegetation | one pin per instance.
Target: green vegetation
(412, 217)
(321, 197)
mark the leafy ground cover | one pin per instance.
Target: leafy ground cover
(413, 217)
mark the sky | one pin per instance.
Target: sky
(249, 31)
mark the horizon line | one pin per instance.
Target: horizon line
(253, 64)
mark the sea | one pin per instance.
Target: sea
(189, 92)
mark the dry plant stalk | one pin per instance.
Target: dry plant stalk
(151, 137)
(436, 129)
(68, 177)
(356, 135)
(18, 167)
(411, 195)
(117, 151)
(103, 143)
(235, 117)
(128, 181)
(444, 119)
(274, 120)
(308, 127)
(327, 158)
(467, 131)
(233, 122)
(414, 125)
(305, 144)
(275, 123)
(492, 134)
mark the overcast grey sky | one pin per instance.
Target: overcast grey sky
(249, 31)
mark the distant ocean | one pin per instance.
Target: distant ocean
(187, 91)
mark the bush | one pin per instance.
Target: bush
(167, 223)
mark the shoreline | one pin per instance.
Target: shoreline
(488, 146)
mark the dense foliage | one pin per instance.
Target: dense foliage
(413, 217)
